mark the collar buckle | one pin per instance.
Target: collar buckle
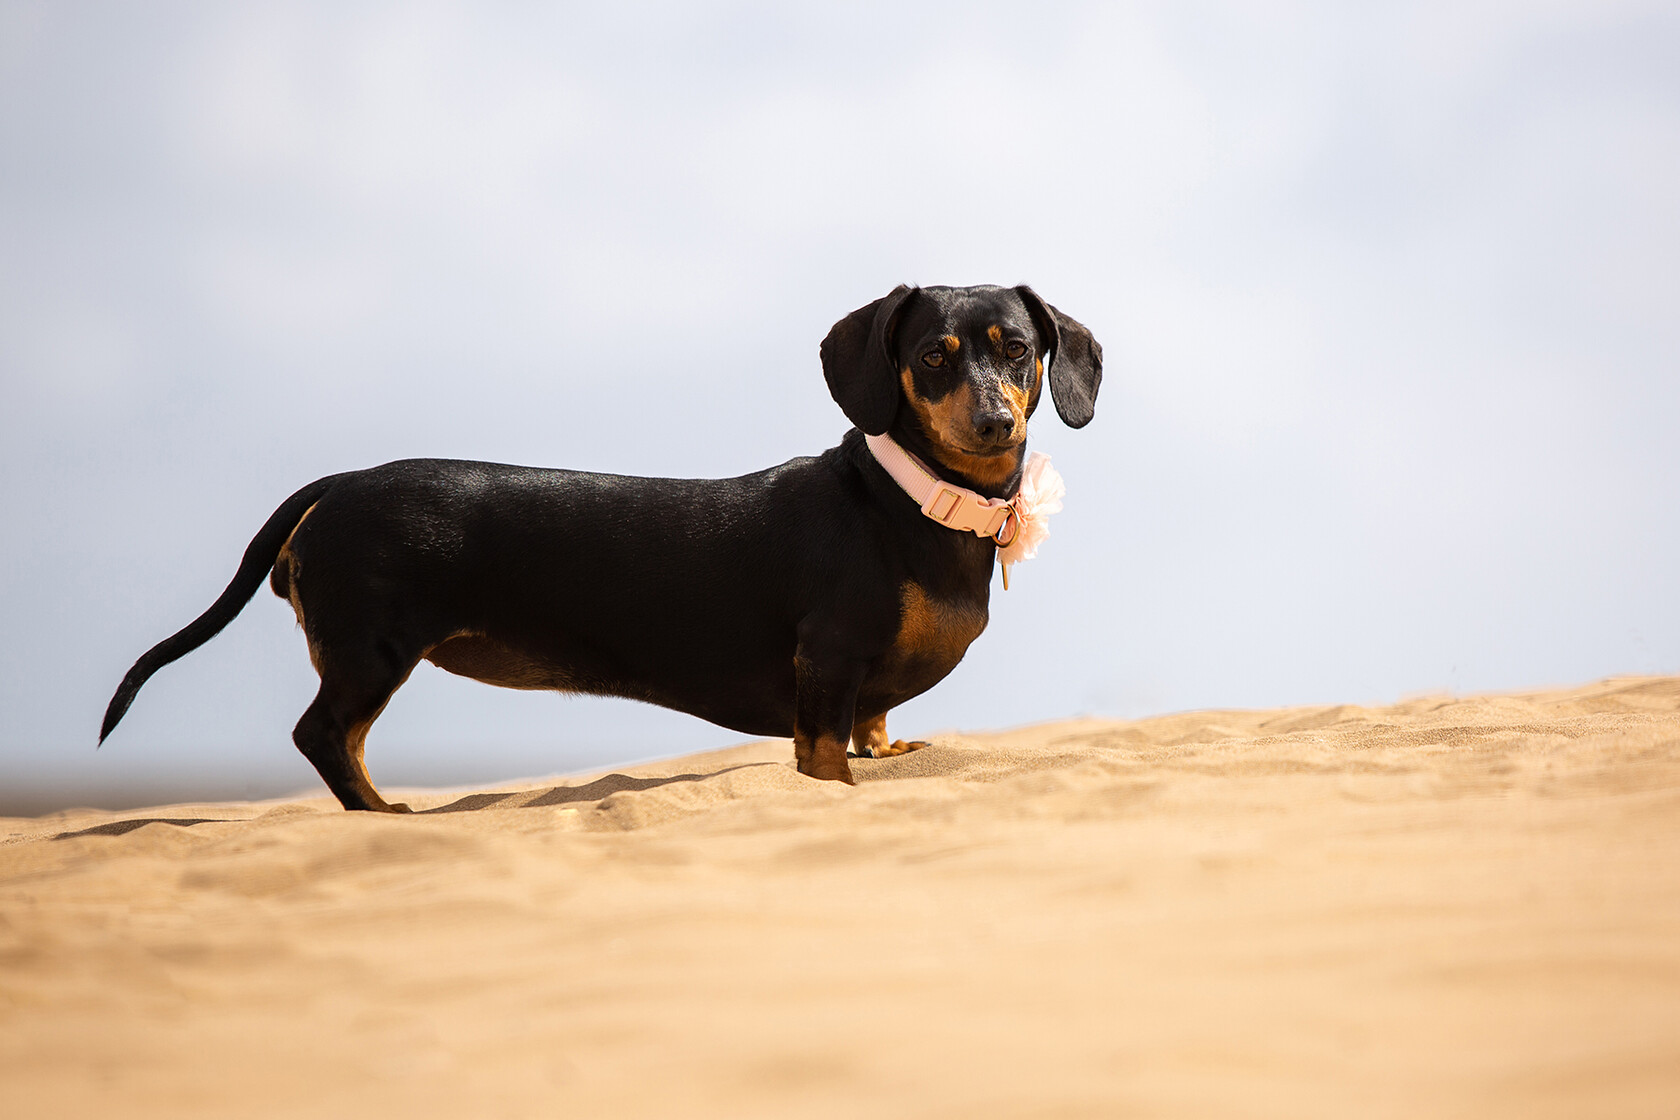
(943, 504)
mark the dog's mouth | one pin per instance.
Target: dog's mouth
(992, 449)
(984, 462)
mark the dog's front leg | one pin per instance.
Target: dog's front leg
(822, 723)
(869, 738)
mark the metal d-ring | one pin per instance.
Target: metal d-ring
(1011, 520)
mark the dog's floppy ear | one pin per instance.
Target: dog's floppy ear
(1075, 360)
(857, 362)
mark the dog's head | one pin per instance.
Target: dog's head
(954, 373)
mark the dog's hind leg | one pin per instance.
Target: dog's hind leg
(333, 730)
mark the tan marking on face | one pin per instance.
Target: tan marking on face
(952, 343)
(995, 333)
(987, 470)
(946, 422)
(945, 418)
(1016, 397)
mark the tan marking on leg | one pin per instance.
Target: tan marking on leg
(823, 757)
(287, 563)
(870, 736)
(287, 546)
(280, 578)
(283, 578)
(901, 746)
(356, 743)
(870, 740)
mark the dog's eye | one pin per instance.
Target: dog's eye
(1015, 349)
(933, 359)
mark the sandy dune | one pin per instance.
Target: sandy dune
(1444, 908)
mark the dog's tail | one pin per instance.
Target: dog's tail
(260, 555)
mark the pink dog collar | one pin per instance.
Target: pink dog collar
(1017, 524)
(953, 506)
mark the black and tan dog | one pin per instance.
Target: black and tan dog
(805, 600)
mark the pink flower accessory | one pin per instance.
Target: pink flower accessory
(1042, 491)
(1018, 525)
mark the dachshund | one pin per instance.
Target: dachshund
(802, 601)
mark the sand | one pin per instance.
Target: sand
(1443, 908)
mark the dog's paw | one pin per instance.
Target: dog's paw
(829, 771)
(899, 746)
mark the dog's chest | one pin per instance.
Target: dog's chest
(933, 634)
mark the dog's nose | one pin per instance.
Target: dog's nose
(994, 426)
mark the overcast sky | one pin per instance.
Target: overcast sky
(1390, 299)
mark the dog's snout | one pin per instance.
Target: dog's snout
(994, 425)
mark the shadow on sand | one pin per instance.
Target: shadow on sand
(120, 828)
(572, 795)
(470, 803)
